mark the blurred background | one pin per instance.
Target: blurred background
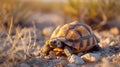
(26, 24)
(45, 15)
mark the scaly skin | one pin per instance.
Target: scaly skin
(68, 51)
(45, 49)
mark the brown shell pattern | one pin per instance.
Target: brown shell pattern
(76, 35)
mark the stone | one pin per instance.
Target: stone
(24, 65)
(112, 43)
(47, 31)
(80, 54)
(36, 53)
(91, 57)
(115, 44)
(108, 40)
(75, 59)
(35, 65)
(106, 63)
(114, 30)
(62, 58)
(60, 64)
(49, 57)
(72, 65)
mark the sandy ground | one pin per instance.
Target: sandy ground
(22, 48)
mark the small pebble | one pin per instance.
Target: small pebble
(60, 64)
(80, 54)
(24, 65)
(108, 40)
(35, 65)
(72, 65)
(36, 53)
(119, 54)
(75, 59)
(62, 58)
(91, 57)
(50, 57)
(114, 30)
(112, 43)
(106, 63)
(47, 31)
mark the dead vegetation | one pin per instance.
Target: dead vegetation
(19, 46)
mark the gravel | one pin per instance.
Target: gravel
(75, 59)
(91, 57)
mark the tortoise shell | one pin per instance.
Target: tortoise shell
(76, 35)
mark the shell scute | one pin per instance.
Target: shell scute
(76, 35)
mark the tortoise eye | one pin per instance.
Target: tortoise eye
(53, 42)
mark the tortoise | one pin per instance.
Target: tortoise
(71, 38)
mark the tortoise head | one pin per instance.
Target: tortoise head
(54, 43)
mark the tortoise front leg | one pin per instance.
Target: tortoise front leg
(45, 50)
(68, 51)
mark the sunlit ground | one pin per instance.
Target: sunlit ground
(25, 25)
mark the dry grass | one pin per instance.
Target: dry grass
(18, 47)
(94, 13)
(12, 10)
(93, 8)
